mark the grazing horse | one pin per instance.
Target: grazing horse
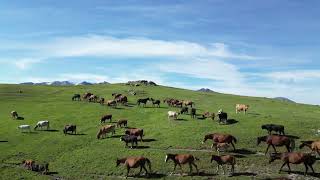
(188, 103)
(112, 103)
(135, 162)
(76, 97)
(179, 159)
(136, 132)
(102, 101)
(221, 160)
(116, 95)
(184, 110)
(43, 168)
(14, 115)
(294, 158)
(273, 127)
(42, 124)
(220, 138)
(106, 129)
(155, 102)
(143, 101)
(86, 95)
(123, 122)
(70, 127)
(24, 128)
(313, 145)
(130, 139)
(223, 117)
(106, 117)
(173, 114)
(28, 164)
(242, 107)
(277, 140)
(93, 98)
(121, 99)
(207, 114)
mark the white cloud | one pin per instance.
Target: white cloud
(294, 76)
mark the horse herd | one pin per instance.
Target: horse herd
(220, 141)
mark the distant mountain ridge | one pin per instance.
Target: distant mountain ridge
(284, 99)
(205, 90)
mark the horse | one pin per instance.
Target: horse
(193, 113)
(221, 147)
(277, 140)
(102, 101)
(221, 160)
(43, 168)
(179, 159)
(28, 164)
(242, 107)
(155, 102)
(143, 101)
(208, 115)
(76, 97)
(70, 127)
(135, 162)
(223, 117)
(93, 98)
(313, 145)
(173, 114)
(14, 115)
(220, 138)
(106, 129)
(86, 95)
(123, 122)
(130, 139)
(188, 103)
(136, 132)
(273, 127)
(24, 127)
(116, 95)
(121, 99)
(112, 103)
(294, 158)
(42, 124)
(184, 110)
(106, 117)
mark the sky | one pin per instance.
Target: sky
(253, 48)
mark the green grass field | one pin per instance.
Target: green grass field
(84, 157)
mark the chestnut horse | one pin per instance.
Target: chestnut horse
(220, 138)
(179, 159)
(136, 132)
(106, 129)
(313, 145)
(277, 140)
(294, 158)
(135, 162)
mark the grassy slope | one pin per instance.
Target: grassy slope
(86, 157)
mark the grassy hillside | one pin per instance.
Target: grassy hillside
(85, 157)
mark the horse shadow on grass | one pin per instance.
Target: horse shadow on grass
(30, 132)
(149, 140)
(141, 147)
(155, 175)
(116, 136)
(51, 173)
(3, 141)
(50, 130)
(244, 151)
(236, 174)
(20, 118)
(180, 119)
(78, 134)
(229, 122)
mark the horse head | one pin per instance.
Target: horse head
(260, 139)
(274, 156)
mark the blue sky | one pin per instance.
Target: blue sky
(257, 48)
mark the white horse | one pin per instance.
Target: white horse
(24, 128)
(42, 124)
(173, 114)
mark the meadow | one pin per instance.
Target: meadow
(83, 156)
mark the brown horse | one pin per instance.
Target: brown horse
(106, 129)
(135, 162)
(86, 95)
(313, 145)
(123, 122)
(221, 160)
(111, 103)
(188, 103)
(220, 138)
(106, 117)
(277, 140)
(121, 99)
(136, 132)
(179, 159)
(294, 158)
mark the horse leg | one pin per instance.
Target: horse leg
(282, 167)
(232, 168)
(217, 171)
(274, 148)
(128, 169)
(174, 168)
(224, 171)
(289, 167)
(195, 167)
(234, 148)
(190, 166)
(267, 149)
(144, 167)
(310, 165)
(306, 167)
(181, 169)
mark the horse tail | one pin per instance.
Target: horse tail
(234, 139)
(149, 164)
(292, 144)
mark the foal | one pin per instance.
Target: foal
(294, 158)
(179, 159)
(220, 138)
(135, 162)
(221, 160)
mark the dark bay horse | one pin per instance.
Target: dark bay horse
(294, 158)
(143, 101)
(179, 159)
(76, 97)
(220, 138)
(277, 140)
(135, 162)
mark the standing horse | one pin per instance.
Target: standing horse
(135, 162)
(135, 132)
(155, 102)
(220, 138)
(143, 101)
(42, 124)
(76, 97)
(179, 159)
(14, 115)
(313, 145)
(277, 140)
(223, 117)
(121, 99)
(188, 103)
(106, 117)
(221, 160)
(86, 95)
(294, 158)
(106, 129)
(70, 127)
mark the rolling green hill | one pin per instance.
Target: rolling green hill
(84, 157)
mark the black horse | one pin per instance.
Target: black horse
(143, 101)
(76, 97)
